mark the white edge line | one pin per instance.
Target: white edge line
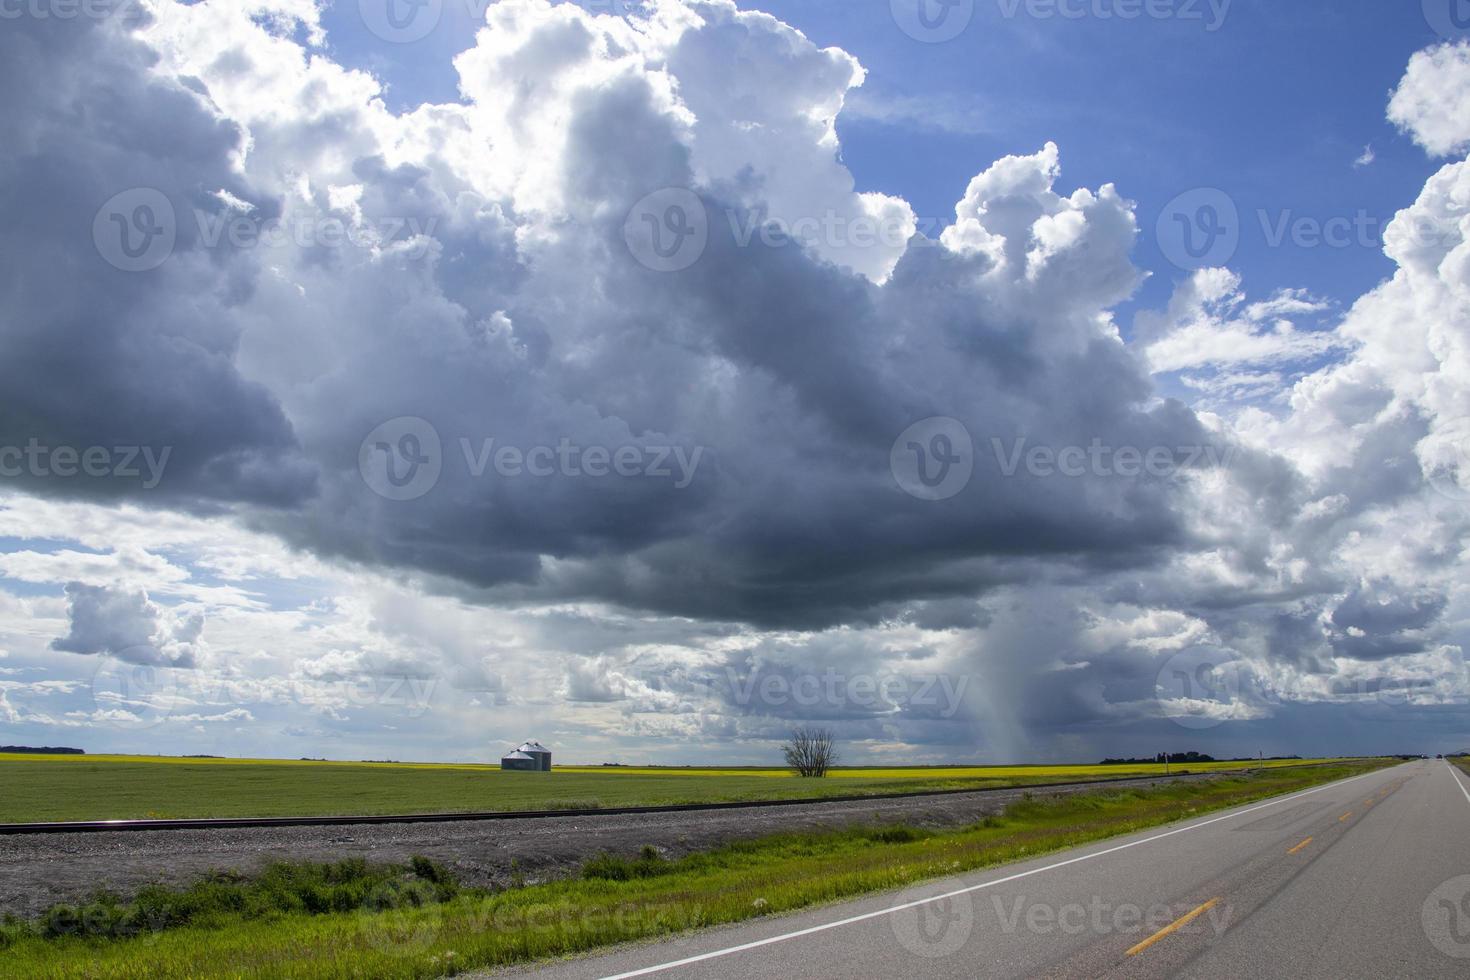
(975, 888)
(1456, 777)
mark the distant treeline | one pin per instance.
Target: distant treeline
(1173, 757)
(43, 749)
(1191, 757)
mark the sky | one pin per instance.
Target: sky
(987, 381)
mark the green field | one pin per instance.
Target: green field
(315, 922)
(51, 788)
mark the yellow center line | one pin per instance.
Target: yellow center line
(1173, 927)
(1344, 816)
(1300, 846)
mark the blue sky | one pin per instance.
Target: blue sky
(496, 267)
(1273, 107)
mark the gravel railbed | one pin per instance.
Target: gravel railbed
(39, 870)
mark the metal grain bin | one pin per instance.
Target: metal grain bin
(520, 762)
(527, 757)
(539, 752)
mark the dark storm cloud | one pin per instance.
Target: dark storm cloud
(96, 357)
(789, 376)
(1380, 622)
(305, 388)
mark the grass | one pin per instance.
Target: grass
(616, 898)
(53, 788)
(224, 899)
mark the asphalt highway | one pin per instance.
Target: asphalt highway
(1367, 877)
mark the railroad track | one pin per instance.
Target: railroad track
(221, 823)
